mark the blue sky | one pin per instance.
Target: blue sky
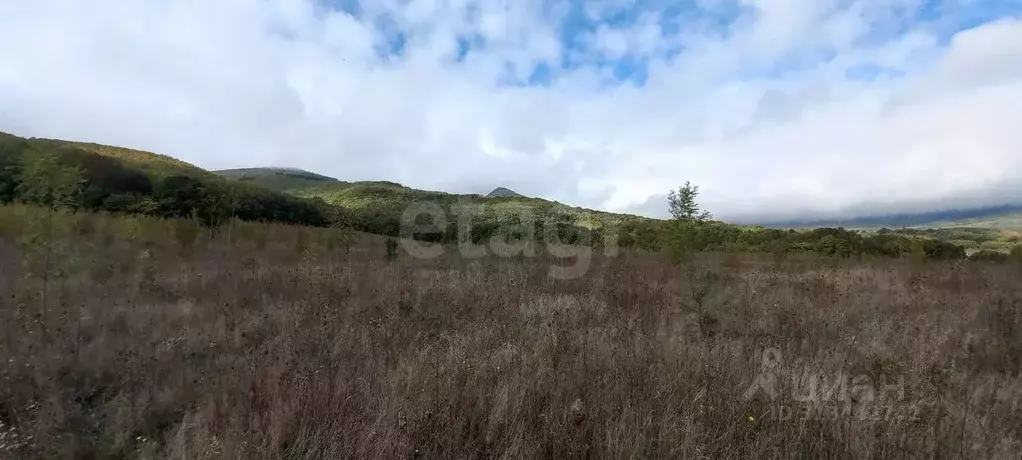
(577, 21)
(776, 108)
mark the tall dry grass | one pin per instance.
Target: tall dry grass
(158, 339)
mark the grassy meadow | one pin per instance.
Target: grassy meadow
(138, 337)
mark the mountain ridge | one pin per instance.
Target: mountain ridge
(996, 216)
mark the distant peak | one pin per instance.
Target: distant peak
(501, 192)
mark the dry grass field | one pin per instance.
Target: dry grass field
(143, 338)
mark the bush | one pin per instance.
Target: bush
(942, 250)
(989, 256)
(1016, 254)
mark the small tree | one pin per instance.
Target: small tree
(685, 233)
(683, 206)
(45, 181)
(341, 234)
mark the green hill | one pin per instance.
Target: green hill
(501, 192)
(280, 179)
(378, 206)
(973, 239)
(103, 178)
(1005, 221)
(992, 228)
(152, 164)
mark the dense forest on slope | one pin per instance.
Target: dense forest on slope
(112, 179)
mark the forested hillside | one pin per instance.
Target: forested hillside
(119, 180)
(102, 178)
(379, 206)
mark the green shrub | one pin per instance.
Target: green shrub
(988, 256)
(942, 250)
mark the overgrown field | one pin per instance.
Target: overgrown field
(144, 338)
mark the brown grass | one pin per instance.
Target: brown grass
(159, 340)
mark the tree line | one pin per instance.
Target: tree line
(53, 173)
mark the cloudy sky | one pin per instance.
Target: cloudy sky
(776, 108)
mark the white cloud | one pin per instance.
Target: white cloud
(766, 114)
(991, 54)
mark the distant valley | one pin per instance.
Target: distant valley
(997, 217)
